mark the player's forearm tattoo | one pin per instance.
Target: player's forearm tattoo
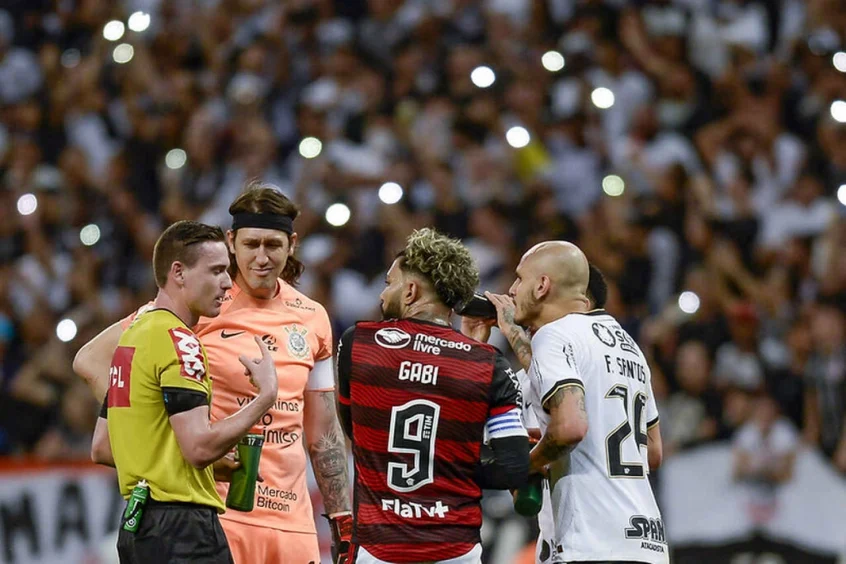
(519, 340)
(329, 460)
(549, 449)
(580, 401)
(561, 395)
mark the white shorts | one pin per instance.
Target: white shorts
(472, 557)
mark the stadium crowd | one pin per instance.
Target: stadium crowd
(695, 149)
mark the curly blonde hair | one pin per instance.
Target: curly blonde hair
(444, 262)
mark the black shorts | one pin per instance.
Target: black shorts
(175, 533)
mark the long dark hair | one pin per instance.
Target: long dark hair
(261, 197)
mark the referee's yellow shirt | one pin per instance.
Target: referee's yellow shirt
(157, 351)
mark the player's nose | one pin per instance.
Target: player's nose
(512, 291)
(261, 256)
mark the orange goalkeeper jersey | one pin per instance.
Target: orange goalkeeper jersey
(296, 329)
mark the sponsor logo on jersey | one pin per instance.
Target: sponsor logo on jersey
(268, 497)
(280, 436)
(434, 345)
(189, 353)
(516, 381)
(278, 405)
(297, 343)
(119, 377)
(646, 529)
(549, 552)
(392, 338)
(612, 336)
(418, 372)
(225, 335)
(626, 342)
(413, 510)
(270, 341)
(298, 304)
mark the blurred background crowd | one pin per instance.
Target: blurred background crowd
(695, 149)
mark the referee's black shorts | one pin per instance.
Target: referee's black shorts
(175, 533)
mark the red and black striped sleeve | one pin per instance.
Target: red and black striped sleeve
(344, 371)
(505, 392)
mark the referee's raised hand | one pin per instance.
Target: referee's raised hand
(262, 371)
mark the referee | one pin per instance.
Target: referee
(155, 427)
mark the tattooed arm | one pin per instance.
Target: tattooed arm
(327, 450)
(568, 425)
(518, 338)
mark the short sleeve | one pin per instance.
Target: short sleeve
(525, 387)
(505, 418)
(344, 365)
(321, 377)
(530, 420)
(505, 392)
(183, 362)
(323, 329)
(651, 407)
(554, 364)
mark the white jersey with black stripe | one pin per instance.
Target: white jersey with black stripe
(602, 502)
(546, 550)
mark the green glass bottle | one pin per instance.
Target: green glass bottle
(529, 499)
(242, 489)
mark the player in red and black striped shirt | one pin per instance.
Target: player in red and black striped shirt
(417, 399)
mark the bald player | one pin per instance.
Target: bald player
(520, 341)
(592, 397)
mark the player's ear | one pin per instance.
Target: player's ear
(410, 291)
(542, 287)
(177, 272)
(292, 244)
(230, 241)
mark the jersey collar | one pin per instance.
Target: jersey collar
(594, 312)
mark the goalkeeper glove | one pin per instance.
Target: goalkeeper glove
(343, 550)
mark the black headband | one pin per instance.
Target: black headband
(263, 221)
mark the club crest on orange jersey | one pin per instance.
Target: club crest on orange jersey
(297, 343)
